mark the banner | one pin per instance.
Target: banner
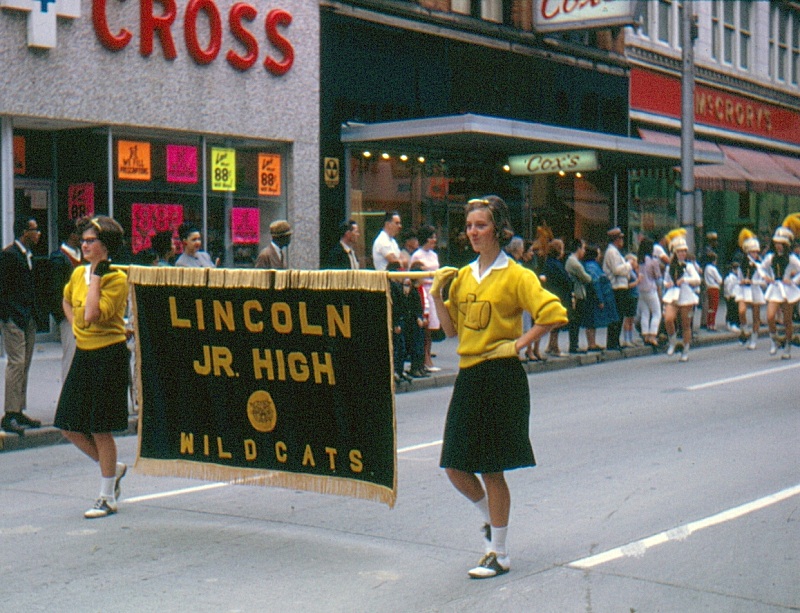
(277, 378)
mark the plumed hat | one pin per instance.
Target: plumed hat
(792, 223)
(676, 239)
(783, 235)
(748, 241)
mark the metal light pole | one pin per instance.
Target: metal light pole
(686, 208)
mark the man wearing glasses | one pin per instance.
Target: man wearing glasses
(17, 323)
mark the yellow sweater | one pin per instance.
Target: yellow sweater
(110, 328)
(487, 313)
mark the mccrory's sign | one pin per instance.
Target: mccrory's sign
(557, 15)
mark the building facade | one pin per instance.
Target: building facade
(746, 104)
(412, 94)
(423, 105)
(204, 111)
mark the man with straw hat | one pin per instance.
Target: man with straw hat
(272, 256)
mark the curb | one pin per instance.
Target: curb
(567, 361)
(48, 435)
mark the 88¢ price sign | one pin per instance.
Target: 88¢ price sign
(269, 174)
(223, 170)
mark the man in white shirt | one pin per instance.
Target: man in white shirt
(385, 248)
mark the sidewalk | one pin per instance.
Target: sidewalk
(44, 383)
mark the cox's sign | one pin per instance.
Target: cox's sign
(550, 163)
(557, 15)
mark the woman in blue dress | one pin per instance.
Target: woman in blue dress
(600, 308)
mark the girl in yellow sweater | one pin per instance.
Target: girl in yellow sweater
(486, 432)
(94, 398)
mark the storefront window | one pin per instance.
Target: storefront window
(652, 210)
(433, 189)
(159, 183)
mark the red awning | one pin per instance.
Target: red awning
(791, 165)
(768, 176)
(743, 169)
(728, 176)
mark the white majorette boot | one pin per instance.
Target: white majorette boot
(773, 345)
(685, 354)
(672, 340)
(787, 351)
(753, 341)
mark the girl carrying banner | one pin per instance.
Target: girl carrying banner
(94, 399)
(486, 431)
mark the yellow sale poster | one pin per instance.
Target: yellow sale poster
(223, 169)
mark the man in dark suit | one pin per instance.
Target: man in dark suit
(343, 255)
(17, 303)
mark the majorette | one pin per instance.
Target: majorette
(781, 269)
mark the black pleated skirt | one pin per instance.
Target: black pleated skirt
(94, 397)
(487, 422)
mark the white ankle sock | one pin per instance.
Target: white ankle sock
(107, 487)
(499, 540)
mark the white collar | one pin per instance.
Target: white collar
(501, 261)
(22, 248)
(75, 253)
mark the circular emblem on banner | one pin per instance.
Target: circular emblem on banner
(261, 411)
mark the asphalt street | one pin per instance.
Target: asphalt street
(660, 487)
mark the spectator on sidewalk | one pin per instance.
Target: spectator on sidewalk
(17, 323)
(617, 269)
(729, 288)
(426, 255)
(164, 247)
(192, 256)
(342, 256)
(557, 283)
(580, 279)
(486, 431)
(94, 399)
(649, 304)
(409, 243)
(713, 282)
(385, 248)
(273, 256)
(628, 323)
(600, 309)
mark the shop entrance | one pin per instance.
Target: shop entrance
(33, 198)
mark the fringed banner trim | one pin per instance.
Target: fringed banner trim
(338, 486)
(358, 280)
(168, 275)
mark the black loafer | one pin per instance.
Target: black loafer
(10, 423)
(27, 421)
